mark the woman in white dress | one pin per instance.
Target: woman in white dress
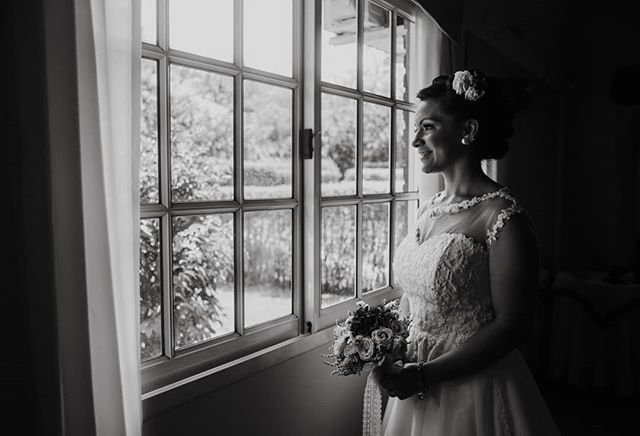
(469, 272)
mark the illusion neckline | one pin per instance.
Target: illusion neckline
(454, 234)
(453, 208)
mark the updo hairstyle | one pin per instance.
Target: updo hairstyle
(494, 110)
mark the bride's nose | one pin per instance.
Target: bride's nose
(417, 140)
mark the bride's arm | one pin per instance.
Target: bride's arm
(513, 265)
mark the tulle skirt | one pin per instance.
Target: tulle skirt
(502, 399)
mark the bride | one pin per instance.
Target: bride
(469, 273)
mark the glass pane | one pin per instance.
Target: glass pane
(268, 127)
(339, 42)
(376, 163)
(338, 145)
(376, 75)
(201, 135)
(203, 280)
(149, 34)
(150, 290)
(202, 27)
(149, 132)
(405, 215)
(267, 265)
(268, 35)
(406, 158)
(402, 58)
(338, 254)
(375, 246)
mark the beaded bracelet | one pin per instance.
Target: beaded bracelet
(421, 382)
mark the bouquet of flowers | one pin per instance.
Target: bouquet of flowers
(370, 336)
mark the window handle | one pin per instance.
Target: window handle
(306, 143)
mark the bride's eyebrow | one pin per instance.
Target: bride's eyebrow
(417, 123)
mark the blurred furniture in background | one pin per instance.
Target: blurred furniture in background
(594, 336)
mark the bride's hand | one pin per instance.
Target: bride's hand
(402, 384)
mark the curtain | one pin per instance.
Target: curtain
(108, 58)
(435, 57)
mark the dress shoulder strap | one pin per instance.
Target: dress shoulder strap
(502, 217)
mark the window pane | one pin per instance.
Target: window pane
(338, 145)
(376, 76)
(149, 21)
(375, 246)
(268, 35)
(149, 132)
(267, 265)
(405, 210)
(402, 58)
(150, 290)
(376, 168)
(268, 127)
(406, 170)
(203, 278)
(338, 254)
(339, 42)
(202, 27)
(201, 135)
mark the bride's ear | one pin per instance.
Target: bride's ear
(471, 127)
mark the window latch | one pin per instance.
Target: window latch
(306, 143)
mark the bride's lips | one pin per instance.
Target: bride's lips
(424, 153)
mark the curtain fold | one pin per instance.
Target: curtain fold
(432, 60)
(108, 58)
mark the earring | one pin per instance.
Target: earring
(465, 141)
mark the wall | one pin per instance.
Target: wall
(297, 397)
(530, 166)
(602, 141)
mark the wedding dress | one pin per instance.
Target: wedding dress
(443, 268)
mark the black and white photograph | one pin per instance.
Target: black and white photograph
(322, 218)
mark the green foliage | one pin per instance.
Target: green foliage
(202, 259)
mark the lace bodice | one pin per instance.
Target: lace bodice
(446, 276)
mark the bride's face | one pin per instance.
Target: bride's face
(437, 137)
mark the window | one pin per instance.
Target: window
(226, 89)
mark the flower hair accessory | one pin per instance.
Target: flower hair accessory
(469, 84)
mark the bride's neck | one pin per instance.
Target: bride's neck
(467, 180)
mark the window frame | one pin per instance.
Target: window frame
(174, 365)
(308, 326)
(322, 318)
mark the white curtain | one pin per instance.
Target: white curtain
(108, 54)
(433, 59)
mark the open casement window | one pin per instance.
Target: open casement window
(245, 245)
(366, 175)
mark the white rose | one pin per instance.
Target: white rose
(472, 94)
(382, 336)
(367, 349)
(461, 81)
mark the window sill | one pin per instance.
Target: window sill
(162, 399)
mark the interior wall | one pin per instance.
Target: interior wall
(297, 397)
(600, 226)
(530, 166)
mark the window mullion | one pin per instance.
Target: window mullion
(297, 286)
(238, 148)
(164, 157)
(393, 54)
(168, 337)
